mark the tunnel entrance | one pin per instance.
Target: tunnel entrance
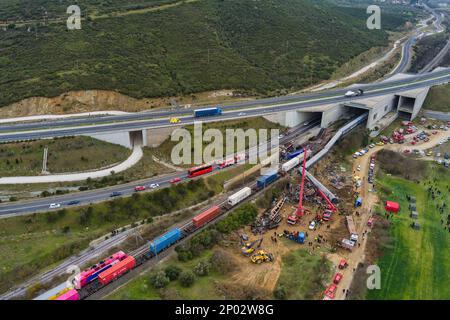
(136, 138)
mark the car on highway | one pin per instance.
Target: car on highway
(54, 205)
(174, 120)
(139, 188)
(356, 93)
(240, 114)
(175, 180)
(73, 202)
(153, 186)
(312, 225)
(115, 194)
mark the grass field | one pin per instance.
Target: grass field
(417, 264)
(72, 154)
(438, 98)
(257, 123)
(303, 275)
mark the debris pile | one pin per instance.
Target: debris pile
(268, 220)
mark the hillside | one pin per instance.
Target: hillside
(163, 47)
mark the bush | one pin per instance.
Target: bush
(172, 272)
(187, 279)
(222, 262)
(202, 268)
(159, 280)
(280, 293)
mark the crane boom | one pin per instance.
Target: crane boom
(300, 210)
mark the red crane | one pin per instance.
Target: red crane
(300, 210)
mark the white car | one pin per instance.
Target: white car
(241, 114)
(351, 93)
(54, 205)
(312, 225)
(153, 186)
(358, 168)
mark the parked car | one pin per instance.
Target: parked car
(337, 278)
(312, 225)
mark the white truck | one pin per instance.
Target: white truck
(239, 196)
(348, 244)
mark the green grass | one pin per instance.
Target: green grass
(438, 98)
(73, 154)
(302, 274)
(193, 47)
(202, 289)
(165, 149)
(417, 264)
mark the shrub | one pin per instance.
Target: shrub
(202, 268)
(172, 272)
(187, 279)
(280, 293)
(159, 280)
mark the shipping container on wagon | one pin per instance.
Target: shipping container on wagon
(239, 196)
(207, 112)
(117, 270)
(165, 241)
(69, 295)
(265, 180)
(206, 216)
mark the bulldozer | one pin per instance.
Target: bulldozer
(261, 256)
(248, 248)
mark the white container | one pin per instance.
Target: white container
(239, 196)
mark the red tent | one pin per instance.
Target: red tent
(392, 206)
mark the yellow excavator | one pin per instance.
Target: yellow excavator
(261, 256)
(248, 248)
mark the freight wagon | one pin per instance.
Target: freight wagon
(117, 270)
(165, 241)
(285, 167)
(265, 180)
(206, 216)
(207, 112)
(69, 295)
(198, 171)
(239, 196)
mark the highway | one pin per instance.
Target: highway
(158, 119)
(98, 195)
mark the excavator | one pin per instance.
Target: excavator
(248, 248)
(261, 256)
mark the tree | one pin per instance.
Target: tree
(187, 279)
(202, 268)
(159, 279)
(172, 272)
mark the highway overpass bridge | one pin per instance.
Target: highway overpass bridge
(402, 95)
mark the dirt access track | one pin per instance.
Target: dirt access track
(370, 199)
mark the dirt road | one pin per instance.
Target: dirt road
(370, 198)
